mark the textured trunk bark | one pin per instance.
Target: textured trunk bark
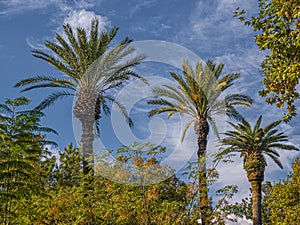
(256, 202)
(87, 140)
(255, 166)
(85, 110)
(202, 130)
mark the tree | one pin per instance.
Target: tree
(253, 145)
(69, 170)
(284, 200)
(277, 24)
(22, 146)
(198, 95)
(105, 201)
(92, 70)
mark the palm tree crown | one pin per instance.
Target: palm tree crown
(80, 60)
(91, 69)
(198, 94)
(254, 144)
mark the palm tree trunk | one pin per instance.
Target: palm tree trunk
(84, 110)
(202, 129)
(256, 202)
(87, 140)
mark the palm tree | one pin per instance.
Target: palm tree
(92, 69)
(198, 95)
(253, 145)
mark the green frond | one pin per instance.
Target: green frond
(55, 62)
(104, 40)
(49, 85)
(257, 124)
(181, 82)
(71, 38)
(229, 79)
(186, 127)
(275, 159)
(271, 126)
(162, 110)
(82, 40)
(199, 72)
(238, 99)
(214, 127)
(122, 109)
(161, 101)
(52, 98)
(231, 112)
(93, 39)
(68, 50)
(52, 82)
(283, 146)
(65, 55)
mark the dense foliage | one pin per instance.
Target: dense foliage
(278, 30)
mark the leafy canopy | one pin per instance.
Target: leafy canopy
(277, 24)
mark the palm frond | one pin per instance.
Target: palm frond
(122, 109)
(52, 98)
(186, 127)
(162, 110)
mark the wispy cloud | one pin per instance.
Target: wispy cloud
(140, 5)
(20, 6)
(213, 31)
(17, 6)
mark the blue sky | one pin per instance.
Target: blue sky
(205, 27)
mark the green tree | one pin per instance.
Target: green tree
(253, 145)
(92, 70)
(278, 27)
(97, 200)
(284, 200)
(22, 146)
(68, 172)
(198, 95)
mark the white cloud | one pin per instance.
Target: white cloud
(76, 18)
(82, 18)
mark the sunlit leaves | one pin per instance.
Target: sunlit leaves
(278, 27)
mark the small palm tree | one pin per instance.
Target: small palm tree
(92, 69)
(253, 145)
(198, 95)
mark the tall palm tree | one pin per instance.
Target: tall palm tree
(92, 68)
(253, 145)
(198, 95)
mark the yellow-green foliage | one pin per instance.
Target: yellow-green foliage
(284, 202)
(278, 27)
